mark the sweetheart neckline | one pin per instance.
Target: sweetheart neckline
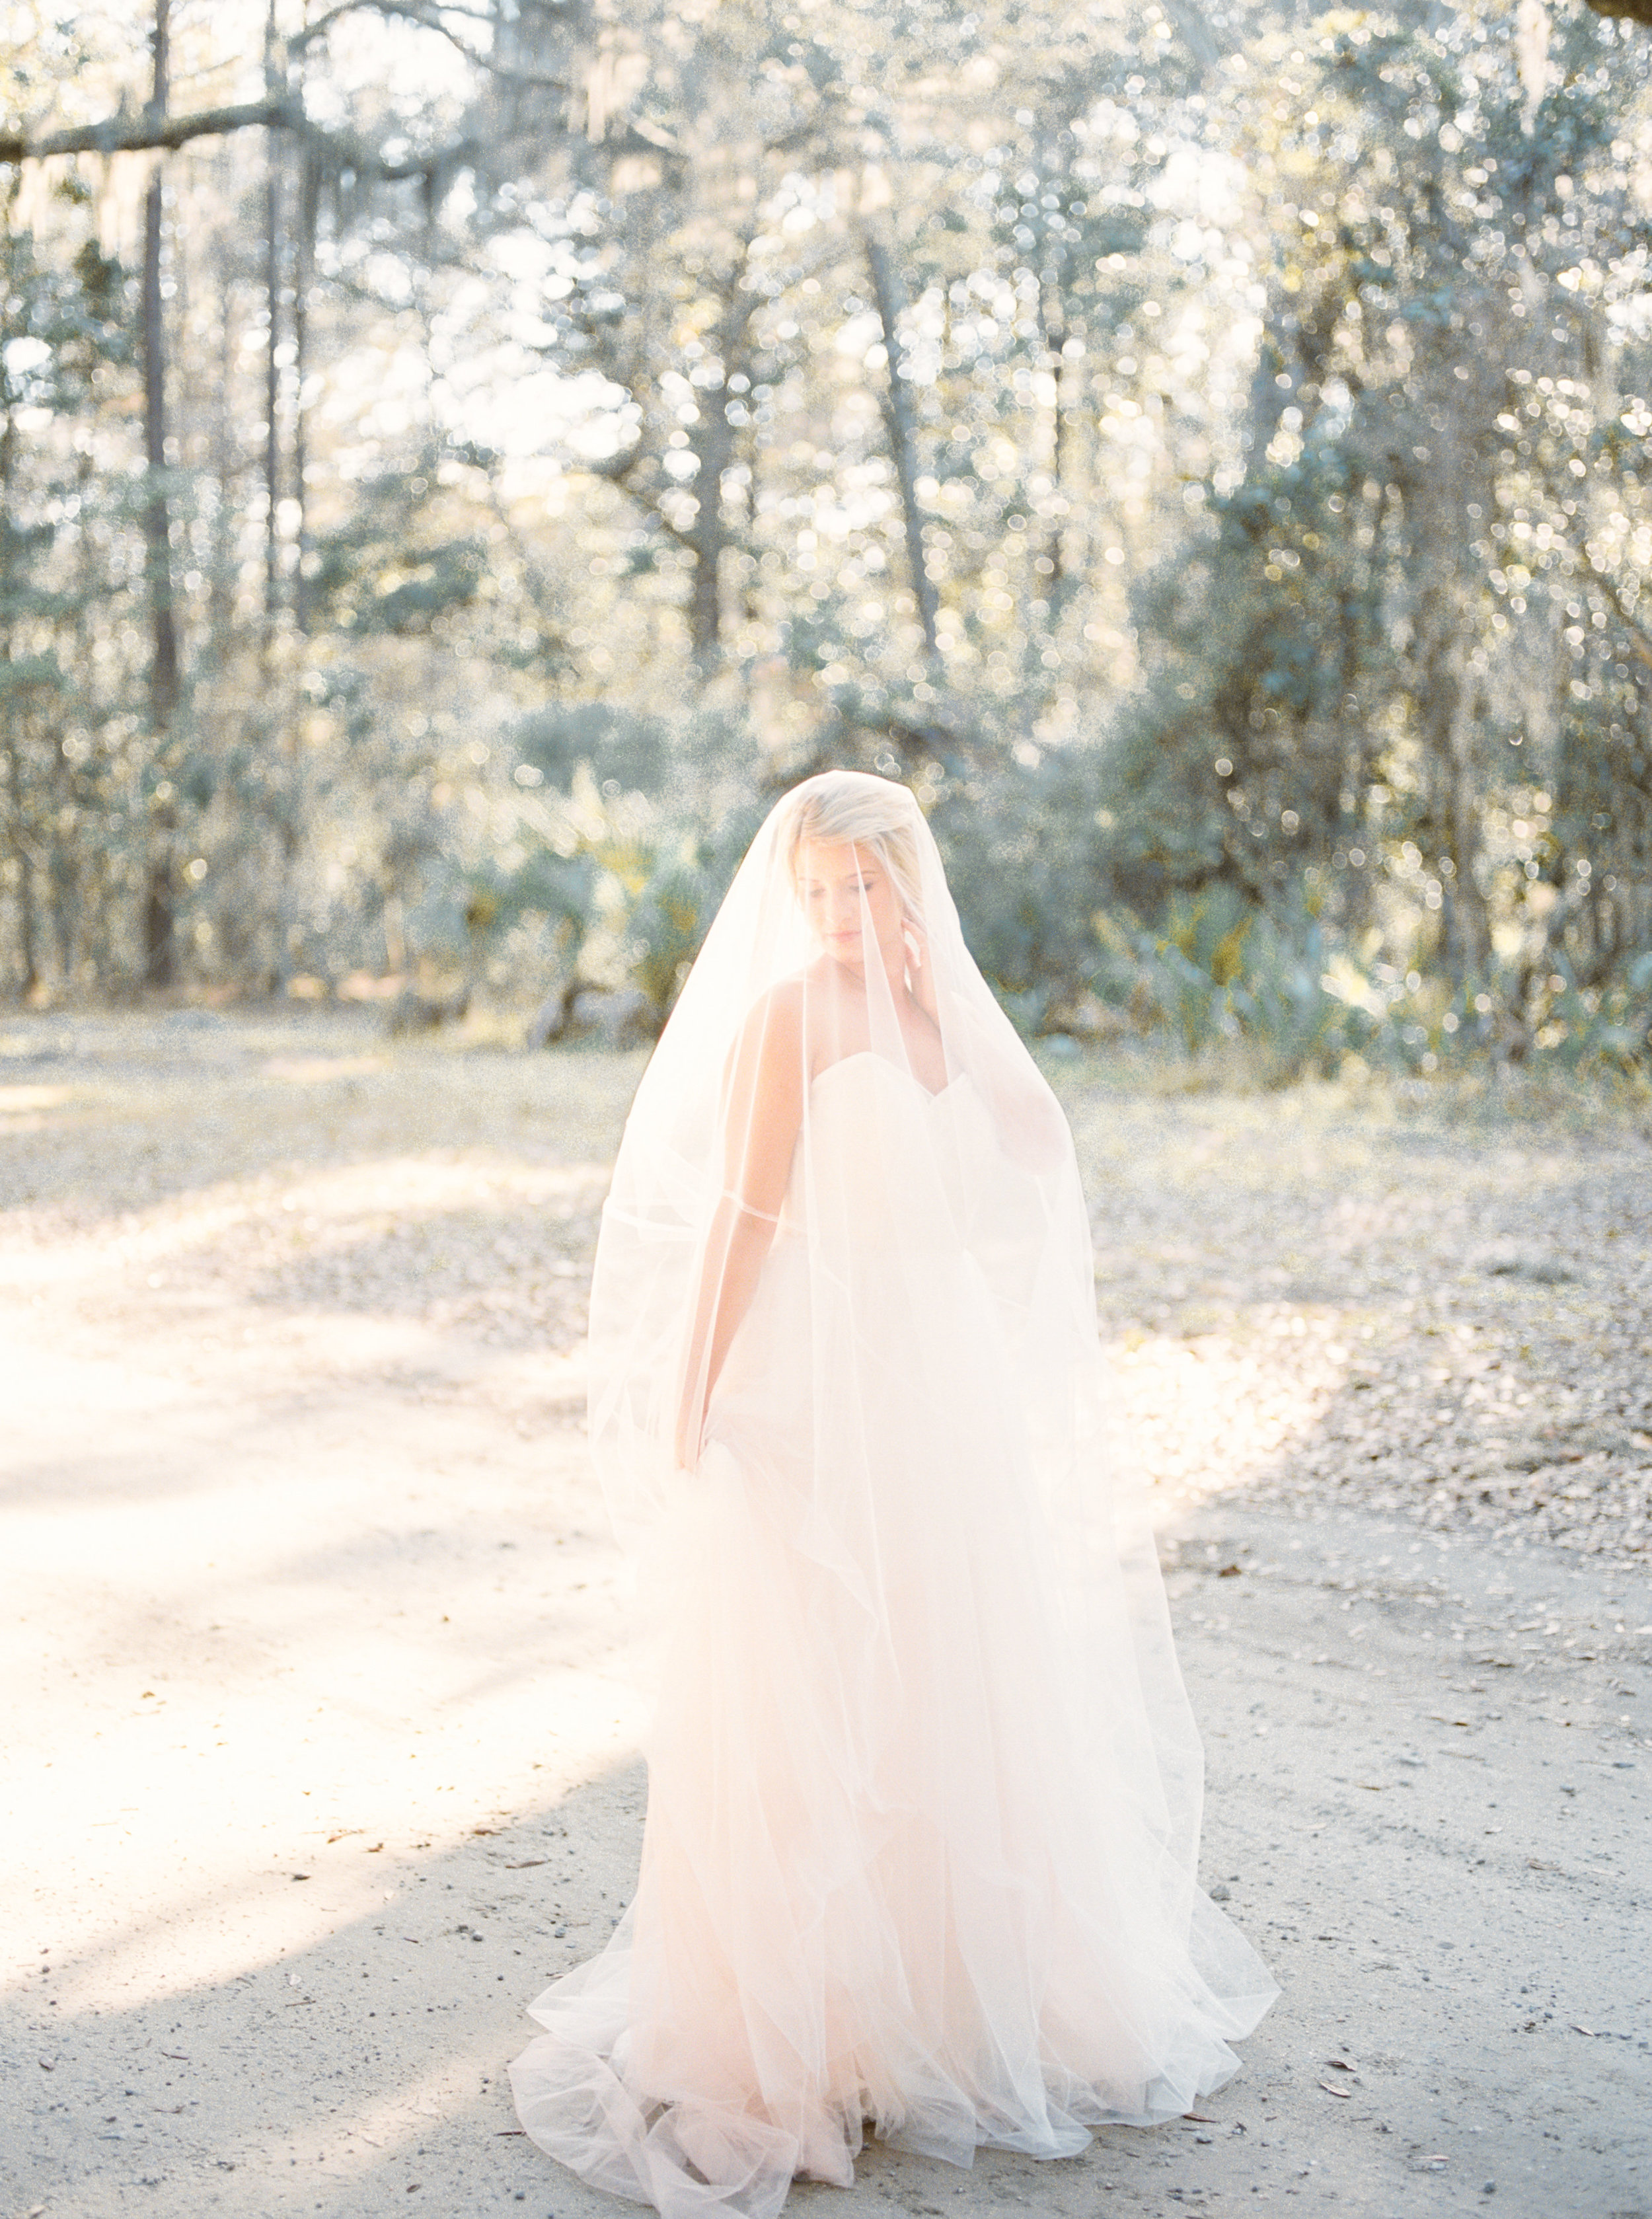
(860, 1055)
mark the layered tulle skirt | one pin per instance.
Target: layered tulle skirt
(924, 1795)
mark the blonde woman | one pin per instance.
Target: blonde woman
(924, 1791)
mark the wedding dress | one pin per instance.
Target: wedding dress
(924, 1787)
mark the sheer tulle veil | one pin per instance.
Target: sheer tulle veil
(924, 1787)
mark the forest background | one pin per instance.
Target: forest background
(459, 462)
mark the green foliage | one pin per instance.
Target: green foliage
(666, 925)
(623, 749)
(383, 571)
(1022, 853)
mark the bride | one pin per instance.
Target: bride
(923, 1787)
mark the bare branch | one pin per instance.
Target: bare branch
(137, 131)
(428, 19)
(131, 133)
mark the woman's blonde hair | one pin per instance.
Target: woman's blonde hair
(852, 807)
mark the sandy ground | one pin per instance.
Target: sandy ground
(318, 1723)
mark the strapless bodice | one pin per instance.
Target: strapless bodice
(878, 1149)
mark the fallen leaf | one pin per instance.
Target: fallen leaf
(1199, 2119)
(1576, 2029)
(299, 1875)
(1341, 2064)
(525, 1864)
(1230, 1572)
(1347, 2094)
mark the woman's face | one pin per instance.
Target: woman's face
(835, 877)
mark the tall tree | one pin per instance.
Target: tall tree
(895, 403)
(159, 933)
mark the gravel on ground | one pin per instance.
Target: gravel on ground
(1427, 1305)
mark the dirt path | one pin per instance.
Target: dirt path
(319, 1735)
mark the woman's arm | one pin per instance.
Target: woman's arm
(762, 1116)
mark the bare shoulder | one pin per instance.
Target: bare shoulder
(774, 1021)
(804, 1018)
(783, 1005)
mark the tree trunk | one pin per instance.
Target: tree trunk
(157, 522)
(87, 886)
(1446, 703)
(65, 910)
(1468, 928)
(220, 591)
(1055, 339)
(160, 921)
(28, 928)
(1052, 334)
(1448, 412)
(303, 264)
(714, 449)
(896, 405)
(271, 364)
(13, 733)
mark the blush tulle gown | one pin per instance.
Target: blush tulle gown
(923, 1789)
